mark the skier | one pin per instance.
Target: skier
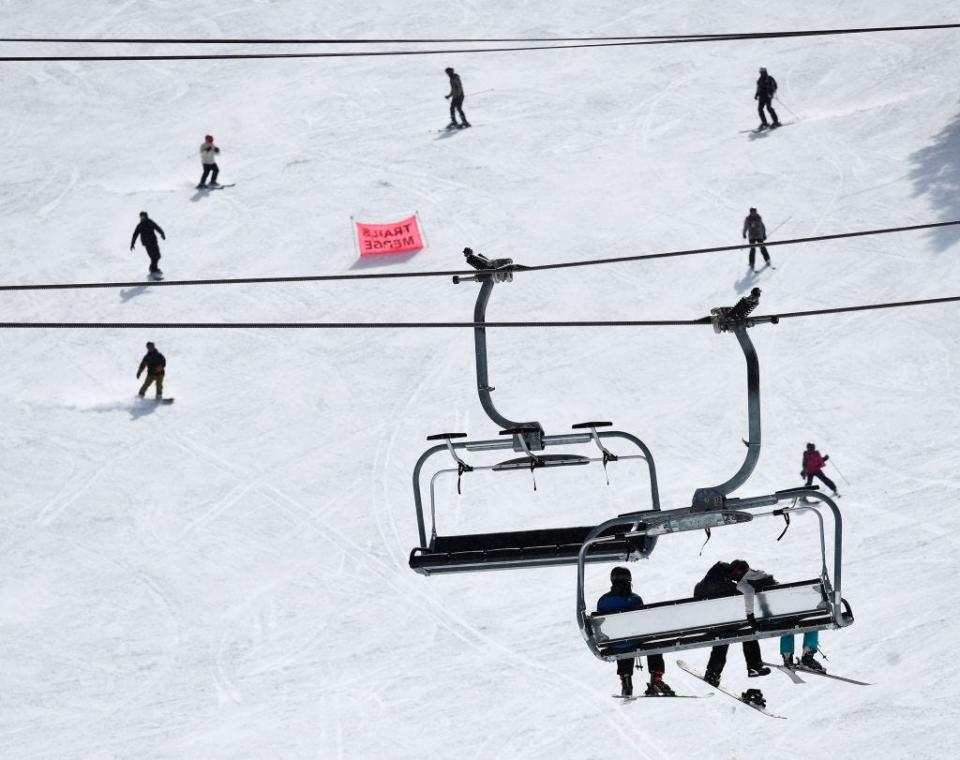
(456, 100)
(766, 89)
(811, 644)
(155, 364)
(726, 579)
(754, 228)
(620, 598)
(145, 231)
(208, 157)
(813, 464)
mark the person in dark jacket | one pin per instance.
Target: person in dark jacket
(620, 598)
(456, 100)
(156, 365)
(766, 89)
(755, 230)
(813, 464)
(728, 579)
(146, 230)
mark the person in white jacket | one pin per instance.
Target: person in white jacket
(208, 157)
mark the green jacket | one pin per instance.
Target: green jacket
(456, 88)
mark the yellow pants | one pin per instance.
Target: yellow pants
(158, 379)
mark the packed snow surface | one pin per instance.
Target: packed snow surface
(227, 577)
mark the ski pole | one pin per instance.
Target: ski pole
(780, 225)
(840, 473)
(481, 92)
(786, 106)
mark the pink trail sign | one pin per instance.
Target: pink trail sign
(397, 237)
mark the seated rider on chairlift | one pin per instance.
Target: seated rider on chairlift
(727, 579)
(811, 645)
(620, 598)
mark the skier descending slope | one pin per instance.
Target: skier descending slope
(813, 464)
(208, 157)
(456, 100)
(766, 89)
(620, 598)
(754, 228)
(145, 231)
(726, 579)
(156, 366)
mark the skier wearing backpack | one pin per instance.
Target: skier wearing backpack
(145, 231)
(620, 598)
(766, 89)
(456, 97)
(813, 463)
(208, 157)
(756, 231)
(728, 579)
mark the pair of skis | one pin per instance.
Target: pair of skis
(791, 673)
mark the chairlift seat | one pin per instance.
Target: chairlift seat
(527, 548)
(542, 460)
(692, 623)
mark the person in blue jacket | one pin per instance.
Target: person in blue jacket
(620, 598)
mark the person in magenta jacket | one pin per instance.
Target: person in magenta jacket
(813, 463)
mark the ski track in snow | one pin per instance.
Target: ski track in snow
(227, 577)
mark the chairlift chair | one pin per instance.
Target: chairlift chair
(439, 553)
(672, 626)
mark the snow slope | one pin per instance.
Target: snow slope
(227, 577)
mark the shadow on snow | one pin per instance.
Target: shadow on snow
(935, 171)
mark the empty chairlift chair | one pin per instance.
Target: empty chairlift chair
(438, 553)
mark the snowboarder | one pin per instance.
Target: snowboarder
(620, 598)
(145, 231)
(726, 579)
(766, 89)
(456, 100)
(208, 157)
(813, 464)
(155, 364)
(811, 644)
(756, 232)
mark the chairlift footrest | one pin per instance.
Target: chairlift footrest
(445, 436)
(586, 425)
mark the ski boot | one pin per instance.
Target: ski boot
(453, 125)
(760, 670)
(775, 125)
(754, 697)
(810, 663)
(657, 687)
(214, 183)
(465, 125)
(626, 686)
(712, 678)
(788, 661)
(201, 187)
(763, 127)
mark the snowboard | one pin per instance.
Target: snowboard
(215, 187)
(158, 401)
(681, 664)
(155, 276)
(759, 130)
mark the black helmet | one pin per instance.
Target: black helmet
(620, 575)
(763, 70)
(150, 344)
(811, 446)
(753, 210)
(143, 214)
(449, 69)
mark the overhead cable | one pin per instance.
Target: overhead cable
(457, 40)
(629, 42)
(540, 324)
(460, 272)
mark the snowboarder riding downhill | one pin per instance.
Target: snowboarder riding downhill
(145, 231)
(208, 157)
(155, 364)
(813, 464)
(456, 101)
(754, 228)
(727, 579)
(620, 598)
(766, 89)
